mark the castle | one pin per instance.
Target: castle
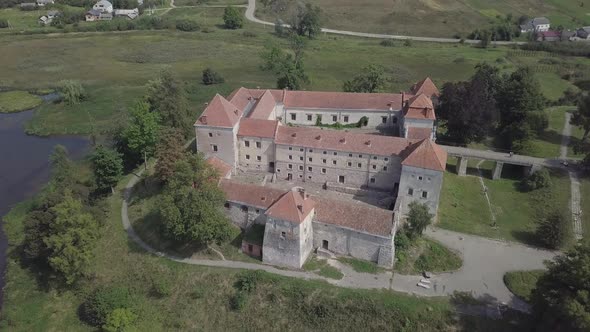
(282, 132)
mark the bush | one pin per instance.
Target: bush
(408, 42)
(120, 319)
(187, 25)
(279, 27)
(211, 77)
(537, 180)
(232, 18)
(72, 92)
(161, 285)
(248, 280)
(387, 43)
(3, 23)
(238, 301)
(553, 230)
(101, 304)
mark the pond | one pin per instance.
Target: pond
(24, 166)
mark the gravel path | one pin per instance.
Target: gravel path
(575, 197)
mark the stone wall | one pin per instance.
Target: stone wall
(244, 215)
(224, 139)
(308, 117)
(286, 243)
(416, 182)
(251, 149)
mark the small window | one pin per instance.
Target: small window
(259, 158)
(383, 119)
(349, 164)
(310, 169)
(350, 155)
(374, 157)
(247, 144)
(214, 148)
(385, 168)
(293, 116)
(244, 208)
(310, 151)
(345, 118)
(278, 170)
(411, 191)
(324, 161)
(290, 166)
(301, 158)
(301, 167)
(309, 117)
(301, 150)
(386, 159)
(283, 235)
(290, 157)
(325, 152)
(323, 171)
(300, 176)
(341, 178)
(420, 178)
(424, 194)
(359, 165)
(247, 157)
(226, 205)
(290, 148)
(257, 211)
(310, 159)
(374, 166)
(372, 180)
(309, 177)
(258, 145)
(429, 179)
(210, 134)
(334, 118)
(394, 120)
(335, 153)
(334, 162)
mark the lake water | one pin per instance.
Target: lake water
(24, 166)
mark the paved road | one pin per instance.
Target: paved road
(575, 197)
(484, 263)
(250, 15)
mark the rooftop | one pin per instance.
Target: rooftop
(220, 166)
(294, 206)
(354, 215)
(427, 87)
(426, 154)
(258, 128)
(249, 194)
(220, 113)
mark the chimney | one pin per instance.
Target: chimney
(203, 119)
(249, 98)
(236, 112)
(403, 98)
(263, 198)
(390, 104)
(294, 135)
(300, 208)
(318, 137)
(368, 143)
(343, 140)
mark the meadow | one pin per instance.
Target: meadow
(432, 18)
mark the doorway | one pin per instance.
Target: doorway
(341, 179)
(325, 244)
(289, 176)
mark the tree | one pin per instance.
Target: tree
(141, 135)
(167, 97)
(72, 92)
(537, 180)
(100, 305)
(561, 300)
(120, 320)
(211, 77)
(581, 116)
(61, 167)
(191, 205)
(279, 27)
(72, 238)
(107, 165)
(232, 18)
(419, 218)
(289, 68)
(168, 151)
(307, 21)
(371, 79)
(552, 230)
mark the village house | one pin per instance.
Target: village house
(280, 132)
(537, 24)
(549, 36)
(127, 13)
(43, 3)
(582, 34)
(47, 19)
(103, 6)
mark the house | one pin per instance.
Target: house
(127, 13)
(48, 18)
(43, 3)
(103, 6)
(95, 15)
(581, 34)
(549, 36)
(537, 24)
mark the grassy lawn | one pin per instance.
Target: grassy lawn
(522, 283)
(547, 144)
(321, 267)
(16, 101)
(463, 207)
(361, 266)
(426, 255)
(407, 17)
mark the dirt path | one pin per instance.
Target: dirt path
(575, 196)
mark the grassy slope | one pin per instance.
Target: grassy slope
(408, 17)
(116, 66)
(426, 255)
(16, 101)
(521, 283)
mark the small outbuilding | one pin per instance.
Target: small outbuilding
(253, 240)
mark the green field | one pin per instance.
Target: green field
(436, 18)
(522, 283)
(426, 255)
(16, 101)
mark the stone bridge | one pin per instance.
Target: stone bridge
(531, 164)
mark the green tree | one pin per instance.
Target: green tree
(539, 179)
(107, 166)
(61, 167)
(72, 92)
(141, 135)
(191, 205)
(552, 230)
(419, 218)
(100, 305)
(167, 97)
(168, 151)
(289, 68)
(120, 320)
(211, 77)
(307, 21)
(561, 300)
(371, 79)
(581, 116)
(72, 239)
(232, 18)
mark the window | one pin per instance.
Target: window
(310, 159)
(247, 157)
(386, 159)
(350, 155)
(258, 145)
(349, 164)
(278, 170)
(210, 134)
(374, 157)
(335, 153)
(309, 117)
(257, 211)
(301, 167)
(359, 165)
(310, 169)
(424, 194)
(293, 116)
(325, 152)
(383, 119)
(334, 162)
(324, 161)
(310, 151)
(360, 155)
(301, 150)
(420, 178)
(341, 179)
(290, 166)
(394, 120)
(309, 177)
(290, 148)
(345, 118)
(323, 171)
(247, 144)
(259, 158)
(411, 191)
(283, 235)
(374, 166)
(244, 208)
(290, 157)
(301, 158)
(385, 168)
(226, 205)
(372, 180)
(214, 148)
(334, 118)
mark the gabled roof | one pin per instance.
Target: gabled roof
(219, 165)
(419, 107)
(258, 128)
(294, 206)
(342, 100)
(419, 133)
(427, 87)
(426, 154)
(241, 98)
(249, 194)
(264, 107)
(354, 215)
(540, 20)
(220, 113)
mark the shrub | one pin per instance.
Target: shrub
(387, 43)
(279, 27)
(238, 301)
(232, 18)
(248, 280)
(552, 231)
(72, 92)
(99, 305)
(3, 23)
(211, 77)
(187, 25)
(402, 241)
(408, 42)
(120, 319)
(161, 285)
(537, 180)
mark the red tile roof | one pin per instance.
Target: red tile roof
(427, 87)
(219, 165)
(354, 215)
(426, 154)
(265, 106)
(241, 98)
(419, 107)
(339, 140)
(258, 128)
(250, 194)
(220, 113)
(294, 206)
(419, 133)
(343, 100)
